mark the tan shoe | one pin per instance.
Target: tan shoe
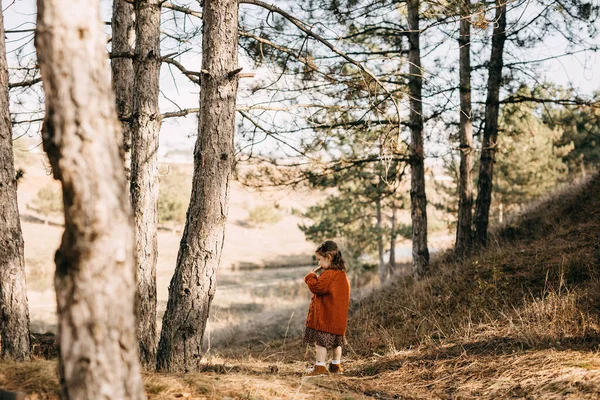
(336, 368)
(317, 370)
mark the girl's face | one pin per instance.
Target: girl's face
(324, 261)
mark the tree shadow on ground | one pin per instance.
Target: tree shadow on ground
(495, 346)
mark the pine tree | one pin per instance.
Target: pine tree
(193, 284)
(145, 129)
(95, 275)
(14, 310)
(529, 161)
(580, 125)
(465, 204)
(123, 38)
(362, 199)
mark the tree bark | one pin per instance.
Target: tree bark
(490, 131)
(14, 310)
(420, 252)
(193, 285)
(144, 170)
(382, 267)
(392, 260)
(123, 40)
(465, 203)
(95, 275)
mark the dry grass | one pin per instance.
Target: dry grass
(246, 379)
(456, 372)
(536, 283)
(555, 317)
(451, 371)
(37, 377)
(220, 379)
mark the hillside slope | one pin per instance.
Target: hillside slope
(537, 284)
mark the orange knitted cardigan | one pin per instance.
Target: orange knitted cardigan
(328, 310)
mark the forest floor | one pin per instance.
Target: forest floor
(489, 370)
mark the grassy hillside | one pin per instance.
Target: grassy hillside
(536, 285)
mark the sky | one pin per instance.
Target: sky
(579, 71)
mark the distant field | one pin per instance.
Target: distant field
(237, 288)
(248, 294)
(245, 298)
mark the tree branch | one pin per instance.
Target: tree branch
(192, 75)
(181, 9)
(180, 113)
(565, 102)
(24, 83)
(303, 27)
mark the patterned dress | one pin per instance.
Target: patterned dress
(323, 339)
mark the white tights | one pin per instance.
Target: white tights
(322, 354)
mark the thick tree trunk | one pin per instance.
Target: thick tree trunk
(420, 252)
(95, 275)
(144, 169)
(123, 41)
(490, 132)
(382, 266)
(14, 310)
(465, 203)
(193, 285)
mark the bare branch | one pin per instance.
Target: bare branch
(290, 52)
(304, 28)
(188, 111)
(20, 31)
(180, 113)
(24, 83)
(181, 9)
(192, 75)
(291, 107)
(29, 121)
(517, 98)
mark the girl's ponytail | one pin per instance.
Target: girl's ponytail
(338, 260)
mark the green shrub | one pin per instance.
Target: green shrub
(48, 200)
(174, 195)
(264, 215)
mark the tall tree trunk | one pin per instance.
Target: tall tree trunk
(420, 252)
(392, 261)
(95, 275)
(490, 132)
(123, 40)
(193, 285)
(144, 169)
(465, 203)
(382, 267)
(500, 213)
(14, 310)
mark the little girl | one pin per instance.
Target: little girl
(328, 311)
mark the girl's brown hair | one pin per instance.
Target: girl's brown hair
(330, 249)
